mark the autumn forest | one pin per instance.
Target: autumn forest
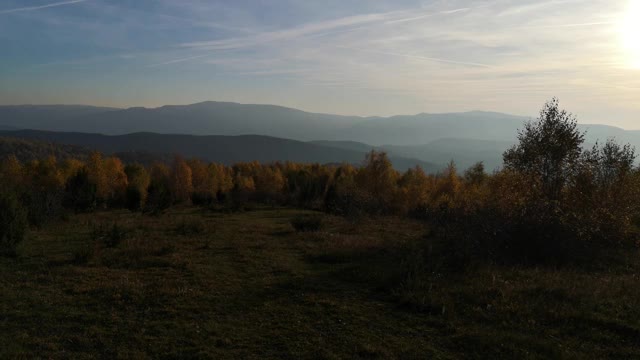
(419, 243)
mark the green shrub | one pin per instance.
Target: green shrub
(307, 223)
(13, 224)
(80, 193)
(133, 198)
(159, 198)
(202, 198)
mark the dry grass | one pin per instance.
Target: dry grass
(196, 284)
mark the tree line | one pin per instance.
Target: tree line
(553, 200)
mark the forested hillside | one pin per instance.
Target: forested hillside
(466, 137)
(29, 150)
(224, 149)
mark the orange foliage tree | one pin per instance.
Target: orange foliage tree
(181, 180)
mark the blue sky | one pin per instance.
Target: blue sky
(363, 57)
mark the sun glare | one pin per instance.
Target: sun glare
(630, 33)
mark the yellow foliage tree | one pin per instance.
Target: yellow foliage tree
(181, 180)
(201, 178)
(160, 174)
(447, 186)
(44, 175)
(269, 181)
(139, 179)
(220, 178)
(244, 183)
(414, 191)
(70, 167)
(116, 179)
(379, 179)
(97, 175)
(11, 172)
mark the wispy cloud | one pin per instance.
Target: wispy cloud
(418, 57)
(516, 9)
(32, 8)
(587, 24)
(276, 72)
(292, 33)
(175, 61)
(455, 10)
(344, 24)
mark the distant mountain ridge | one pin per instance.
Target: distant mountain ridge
(477, 135)
(223, 149)
(206, 118)
(226, 118)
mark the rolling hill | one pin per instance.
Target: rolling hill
(224, 118)
(223, 149)
(434, 138)
(465, 152)
(27, 149)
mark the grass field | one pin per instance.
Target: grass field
(201, 284)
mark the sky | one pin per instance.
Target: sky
(355, 57)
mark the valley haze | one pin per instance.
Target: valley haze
(429, 140)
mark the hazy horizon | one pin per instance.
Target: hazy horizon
(327, 112)
(349, 58)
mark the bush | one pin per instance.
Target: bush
(13, 224)
(510, 222)
(531, 236)
(238, 200)
(43, 205)
(80, 193)
(133, 198)
(159, 198)
(202, 198)
(307, 223)
(351, 202)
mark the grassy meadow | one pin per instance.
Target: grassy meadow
(195, 283)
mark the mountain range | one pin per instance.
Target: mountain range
(218, 148)
(434, 139)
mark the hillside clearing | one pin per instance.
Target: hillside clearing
(201, 284)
